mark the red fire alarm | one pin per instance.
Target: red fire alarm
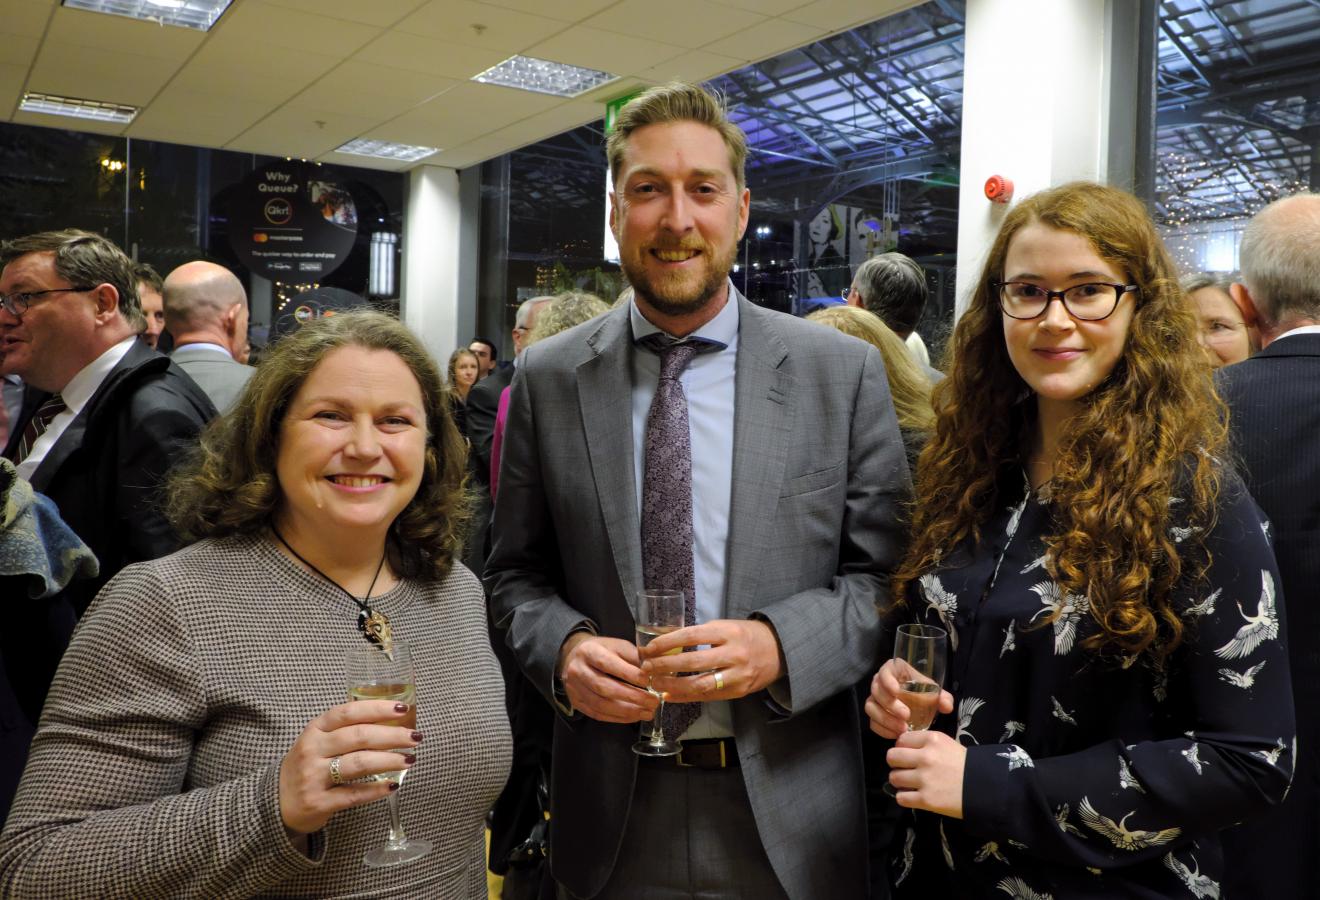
(999, 189)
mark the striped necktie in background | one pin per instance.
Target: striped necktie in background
(37, 426)
(4, 418)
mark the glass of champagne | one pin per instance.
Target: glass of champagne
(374, 674)
(660, 612)
(920, 658)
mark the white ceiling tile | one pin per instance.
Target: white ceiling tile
(766, 39)
(301, 133)
(764, 7)
(618, 54)
(11, 86)
(462, 114)
(367, 162)
(200, 118)
(88, 29)
(98, 73)
(364, 89)
(502, 30)
(217, 69)
(695, 65)
(421, 54)
(563, 10)
(687, 23)
(278, 26)
(17, 49)
(382, 13)
(26, 17)
(836, 15)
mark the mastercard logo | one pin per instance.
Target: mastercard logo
(260, 237)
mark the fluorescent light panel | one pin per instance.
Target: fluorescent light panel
(79, 109)
(528, 73)
(196, 14)
(386, 150)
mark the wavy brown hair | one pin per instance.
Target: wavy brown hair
(228, 485)
(1153, 427)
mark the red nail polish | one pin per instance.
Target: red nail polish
(401, 707)
(394, 785)
(409, 759)
(417, 737)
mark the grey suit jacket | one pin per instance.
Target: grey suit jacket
(818, 477)
(221, 377)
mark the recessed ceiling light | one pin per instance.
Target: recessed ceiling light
(386, 150)
(79, 109)
(543, 76)
(198, 14)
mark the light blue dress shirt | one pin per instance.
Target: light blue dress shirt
(708, 383)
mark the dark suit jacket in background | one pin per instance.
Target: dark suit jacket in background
(1274, 405)
(818, 477)
(105, 471)
(221, 377)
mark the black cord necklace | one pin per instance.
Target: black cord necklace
(372, 623)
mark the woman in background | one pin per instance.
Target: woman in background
(463, 371)
(197, 741)
(1226, 331)
(1115, 649)
(908, 384)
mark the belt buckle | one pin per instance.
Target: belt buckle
(724, 759)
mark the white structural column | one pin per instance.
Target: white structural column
(435, 302)
(1049, 96)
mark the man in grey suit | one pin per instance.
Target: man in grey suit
(894, 287)
(206, 310)
(788, 524)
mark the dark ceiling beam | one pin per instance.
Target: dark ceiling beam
(1225, 31)
(880, 93)
(1187, 55)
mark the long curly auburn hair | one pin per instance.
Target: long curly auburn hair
(228, 485)
(1154, 427)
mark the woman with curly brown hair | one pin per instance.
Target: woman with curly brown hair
(1108, 588)
(196, 741)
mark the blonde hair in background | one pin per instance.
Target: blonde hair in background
(907, 382)
(565, 311)
(677, 102)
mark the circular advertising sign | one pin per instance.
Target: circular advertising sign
(291, 223)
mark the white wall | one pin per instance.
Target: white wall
(1036, 107)
(432, 304)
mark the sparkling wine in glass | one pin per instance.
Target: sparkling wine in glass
(374, 674)
(659, 612)
(920, 659)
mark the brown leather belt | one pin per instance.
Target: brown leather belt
(710, 753)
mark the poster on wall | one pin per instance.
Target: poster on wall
(291, 222)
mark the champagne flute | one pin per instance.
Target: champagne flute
(374, 674)
(920, 658)
(660, 612)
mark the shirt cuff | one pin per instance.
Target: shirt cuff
(557, 691)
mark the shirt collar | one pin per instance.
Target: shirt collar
(1301, 329)
(81, 386)
(204, 345)
(721, 330)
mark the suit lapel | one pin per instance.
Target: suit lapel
(70, 440)
(605, 401)
(763, 410)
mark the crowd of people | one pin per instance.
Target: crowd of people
(1101, 507)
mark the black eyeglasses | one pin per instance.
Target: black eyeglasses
(17, 304)
(1089, 302)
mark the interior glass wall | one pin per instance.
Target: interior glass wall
(854, 144)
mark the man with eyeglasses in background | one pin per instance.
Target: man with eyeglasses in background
(103, 417)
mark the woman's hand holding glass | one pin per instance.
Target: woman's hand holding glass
(890, 717)
(355, 734)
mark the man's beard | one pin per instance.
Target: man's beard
(677, 295)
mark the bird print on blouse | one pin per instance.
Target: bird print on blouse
(1207, 606)
(1263, 626)
(944, 603)
(967, 708)
(1200, 886)
(1061, 817)
(944, 845)
(1271, 756)
(1119, 834)
(1010, 639)
(1040, 562)
(1060, 713)
(1193, 755)
(1020, 890)
(907, 857)
(1242, 680)
(1011, 728)
(1126, 779)
(1067, 608)
(989, 850)
(1017, 758)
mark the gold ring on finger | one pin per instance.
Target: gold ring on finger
(719, 680)
(336, 777)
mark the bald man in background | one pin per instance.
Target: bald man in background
(206, 310)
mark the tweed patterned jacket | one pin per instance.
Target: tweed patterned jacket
(155, 768)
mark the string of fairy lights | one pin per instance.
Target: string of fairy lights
(1186, 227)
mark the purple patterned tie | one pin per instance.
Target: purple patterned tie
(667, 494)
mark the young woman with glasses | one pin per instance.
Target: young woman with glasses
(1118, 686)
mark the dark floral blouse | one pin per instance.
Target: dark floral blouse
(1093, 775)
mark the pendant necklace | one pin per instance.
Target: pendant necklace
(372, 623)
